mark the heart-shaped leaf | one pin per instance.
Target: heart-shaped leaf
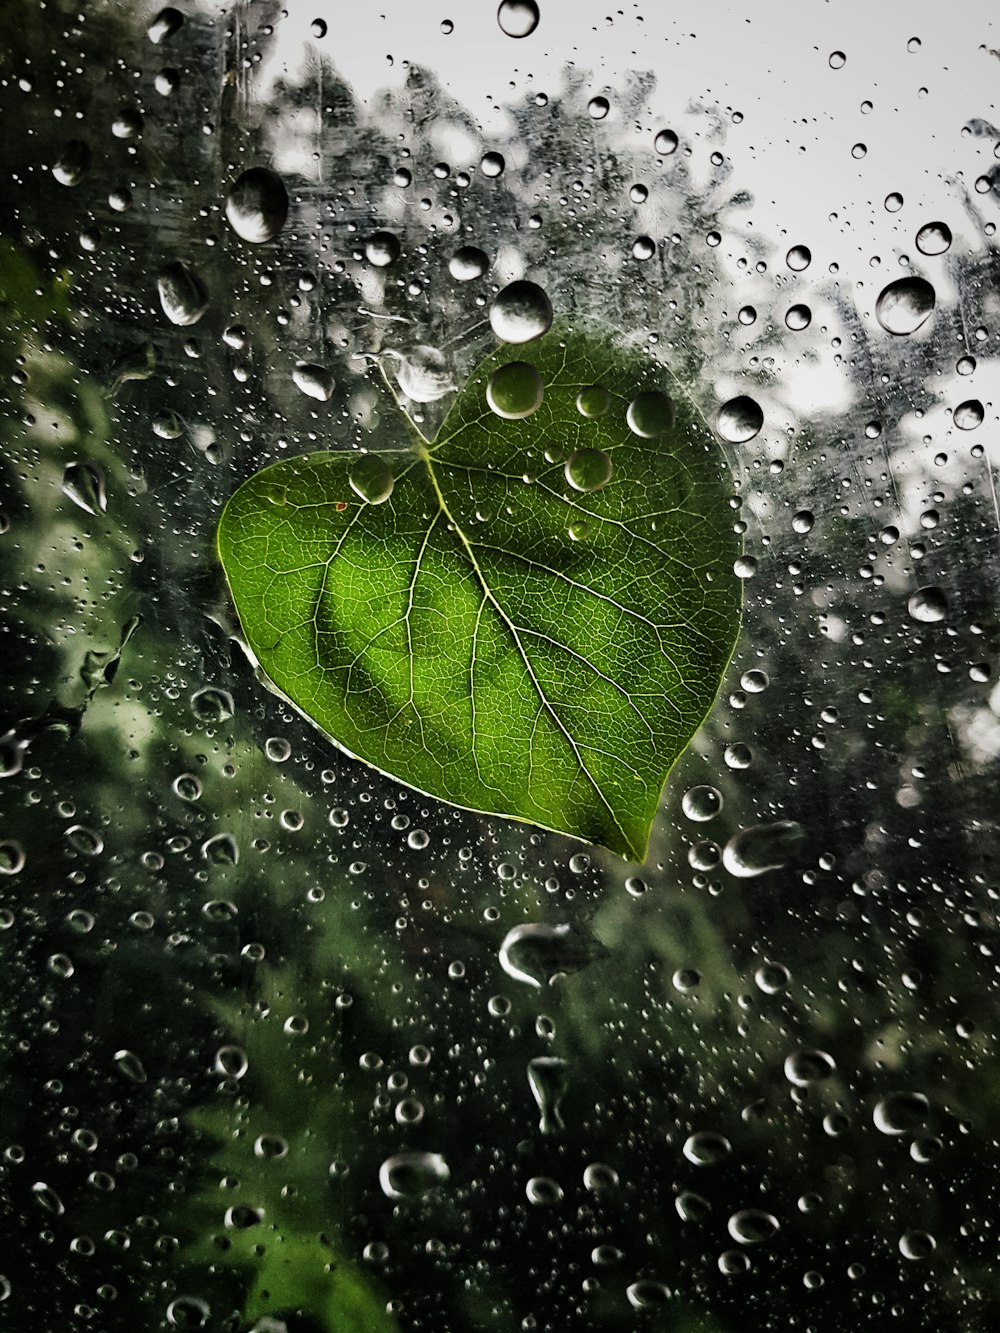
(529, 615)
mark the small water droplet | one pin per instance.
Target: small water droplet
(408, 1175)
(691, 1207)
(588, 469)
(904, 305)
(544, 1192)
(257, 205)
(772, 978)
(579, 530)
(371, 479)
(598, 108)
(518, 18)
(643, 248)
(212, 705)
(492, 165)
(740, 419)
(183, 295)
(127, 124)
(521, 313)
(424, 374)
(733, 1263)
(917, 1245)
(188, 1312)
(753, 851)
(314, 381)
(318, 29)
(747, 315)
(48, 1198)
(647, 1294)
(221, 849)
(802, 521)
(651, 414)
(927, 605)
(901, 1113)
(130, 1066)
(837, 60)
(515, 390)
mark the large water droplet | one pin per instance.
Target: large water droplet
(916, 1245)
(701, 803)
(901, 1113)
(212, 705)
(518, 18)
(515, 391)
(740, 419)
(84, 484)
(666, 143)
(969, 415)
(707, 1148)
(537, 953)
(314, 381)
(764, 847)
(934, 238)
(408, 1175)
(593, 401)
(798, 258)
(547, 1077)
(257, 205)
(521, 312)
(752, 1226)
(424, 374)
(468, 263)
(371, 479)
(651, 414)
(927, 605)
(73, 162)
(588, 469)
(798, 317)
(183, 295)
(904, 305)
(167, 22)
(382, 248)
(803, 1067)
(648, 1294)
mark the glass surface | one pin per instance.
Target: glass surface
(280, 1050)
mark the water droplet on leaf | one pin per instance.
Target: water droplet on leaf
(651, 414)
(588, 469)
(593, 401)
(515, 390)
(371, 479)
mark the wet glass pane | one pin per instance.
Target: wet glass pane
(341, 993)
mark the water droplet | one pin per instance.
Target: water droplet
(73, 162)
(901, 1113)
(745, 567)
(752, 1226)
(257, 205)
(638, 193)
(492, 165)
(772, 978)
(701, 803)
(651, 414)
(518, 18)
(837, 60)
(83, 483)
(740, 419)
(167, 81)
(382, 248)
(579, 530)
(84, 840)
(925, 1149)
(733, 1263)
(934, 238)
(752, 851)
(738, 756)
(643, 248)
(187, 787)
(167, 22)
(318, 29)
(547, 1078)
(917, 1245)
(636, 886)
(798, 317)
(222, 850)
(314, 381)
(969, 415)
(798, 258)
(48, 1198)
(424, 374)
(747, 315)
(904, 305)
(231, 1061)
(537, 953)
(515, 391)
(707, 1148)
(927, 605)
(803, 1067)
(543, 1191)
(130, 1066)
(666, 143)
(468, 263)
(588, 469)
(188, 1312)
(371, 479)
(598, 108)
(802, 521)
(212, 705)
(647, 1294)
(686, 979)
(127, 124)
(602, 1256)
(521, 313)
(593, 401)
(409, 1175)
(691, 1207)
(183, 295)
(12, 857)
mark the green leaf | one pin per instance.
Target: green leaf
(488, 632)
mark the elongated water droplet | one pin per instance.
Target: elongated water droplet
(901, 1113)
(547, 1077)
(753, 851)
(371, 479)
(648, 1294)
(188, 1312)
(183, 295)
(707, 1148)
(803, 1067)
(408, 1175)
(904, 305)
(521, 313)
(48, 1198)
(515, 390)
(537, 953)
(651, 414)
(314, 381)
(167, 22)
(518, 18)
(130, 1066)
(588, 469)
(740, 419)
(691, 1207)
(257, 205)
(222, 849)
(83, 483)
(752, 1226)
